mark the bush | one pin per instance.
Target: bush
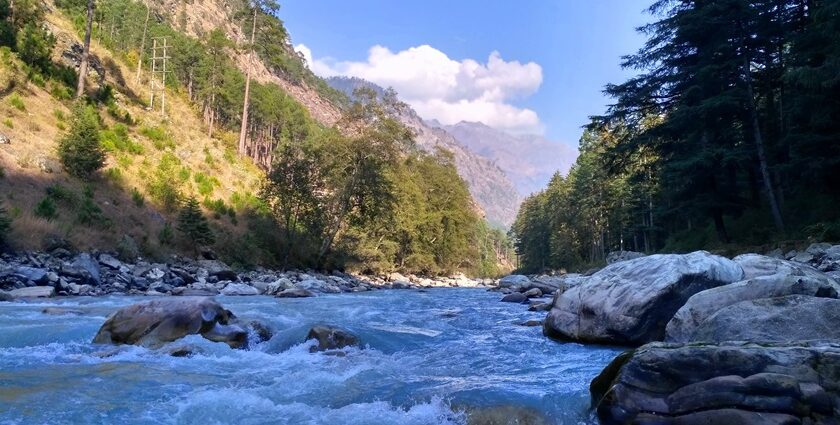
(193, 225)
(46, 209)
(89, 213)
(159, 137)
(116, 140)
(205, 184)
(137, 197)
(164, 186)
(17, 102)
(34, 46)
(80, 151)
(166, 236)
(8, 123)
(5, 225)
(62, 194)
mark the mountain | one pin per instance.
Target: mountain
(528, 160)
(491, 188)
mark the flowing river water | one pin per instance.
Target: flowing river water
(428, 356)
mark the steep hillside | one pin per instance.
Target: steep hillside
(489, 186)
(528, 160)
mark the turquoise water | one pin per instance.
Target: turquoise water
(427, 355)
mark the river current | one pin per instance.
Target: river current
(427, 356)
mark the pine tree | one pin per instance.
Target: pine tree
(80, 150)
(193, 224)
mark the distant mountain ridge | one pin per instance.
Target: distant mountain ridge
(528, 160)
(490, 187)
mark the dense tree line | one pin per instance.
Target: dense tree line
(729, 135)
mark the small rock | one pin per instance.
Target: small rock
(331, 338)
(239, 289)
(533, 293)
(295, 293)
(515, 297)
(539, 306)
(58, 311)
(532, 323)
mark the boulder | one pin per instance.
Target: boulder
(5, 296)
(331, 338)
(701, 307)
(33, 292)
(35, 275)
(730, 383)
(755, 265)
(618, 256)
(84, 267)
(154, 323)
(110, 262)
(533, 293)
(239, 289)
(514, 280)
(504, 415)
(279, 285)
(60, 311)
(217, 269)
(631, 302)
(516, 297)
(780, 319)
(295, 293)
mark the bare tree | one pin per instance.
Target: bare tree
(83, 66)
(142, 44)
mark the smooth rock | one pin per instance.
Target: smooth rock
(33, 292)
(514, 280)
(295, 293)
(618, 256)
(729, 383)
(33, 274)
(702, 306)
(631, 302)
(239, 289)
(153, 323)
(515, 297)
(59, 311)
(755, 265)
(533, 293)
(781, 319)
(331, 338)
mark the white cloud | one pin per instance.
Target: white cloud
(446, 89)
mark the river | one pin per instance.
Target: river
(427, 356)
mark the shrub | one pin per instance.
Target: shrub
(137, 197)
(164, 187)
(62, 194)
(17, 102)
(46, 209)
(8, 123)
(217, 206)
(80, 151)
(159, 137)
(193, 225)
(166, 236)
(117, 139)
(205, 184)
(5, 224)
(89, 212)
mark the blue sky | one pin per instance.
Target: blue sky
(577, 45)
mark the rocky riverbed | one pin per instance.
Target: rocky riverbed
(60, 273)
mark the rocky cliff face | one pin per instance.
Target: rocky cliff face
(528, 160)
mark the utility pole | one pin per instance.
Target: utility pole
(157, 80)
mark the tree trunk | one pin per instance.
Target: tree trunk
(143, 47)
(83, 66)
(759, 145)
(243, 129)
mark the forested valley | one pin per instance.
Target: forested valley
(727, 139)
(353, 193)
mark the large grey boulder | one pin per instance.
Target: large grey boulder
(217, 269)
(331, 338)
(154, 323)
(731, 383)
(756, 265)
(35, 275)
(684, 326)
(781, 319)
(631, 302)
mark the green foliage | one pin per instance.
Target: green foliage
(16, 102)
(80, 150)
(166, 236)
(89, 213)
(205, 184)
(8, 123)
(5, 225)
(164, 187)
(46, 209)
(116, 139)
(63, 195)
(193, 225)
(137, 197)
(159, 137)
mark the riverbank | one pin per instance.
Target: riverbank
(61, 273)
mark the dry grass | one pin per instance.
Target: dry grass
(30, 162)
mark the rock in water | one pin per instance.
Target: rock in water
(331, 338)
(729, 383)
(515, 297)
(295, 293)
(631, 302)
(154, 323)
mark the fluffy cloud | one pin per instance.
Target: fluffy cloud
(445, 89)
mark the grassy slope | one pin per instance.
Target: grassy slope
(30, 163)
